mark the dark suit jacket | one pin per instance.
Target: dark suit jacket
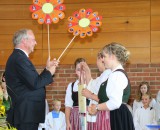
(27, 88)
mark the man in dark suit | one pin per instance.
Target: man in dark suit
(25, 86)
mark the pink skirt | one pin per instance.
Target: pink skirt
(102, 121)
(74, 118)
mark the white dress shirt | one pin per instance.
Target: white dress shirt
(95, 84)
(117, 82)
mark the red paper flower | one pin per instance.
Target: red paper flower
(47, 11)
(84, 22)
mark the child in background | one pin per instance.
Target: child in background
(144, 115)
(71, 100)
(55, 120)
(143, 88)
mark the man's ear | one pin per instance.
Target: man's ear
(23, 40)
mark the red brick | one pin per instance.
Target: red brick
(127, 70)
(142, 65)
(59, 96)
(53, 84)
(49, 88)
(131, 74)
(152, 87)
(131, 66)
(49, 97)
(132, 83)
(60, 79)
(71, 80)
(134, 89)
(73, 76)
(63, 84)
(143, 74)
(61, 92)
(154, 74)
(149, 70)
(66, 66)
(154, 92)
(64, 75)
(135, 78)
(157, 87)
(58, 88)
(149, 78)
(52, 92)
(60, 71)
(154, 65)
(70, 71)
(136, 70)
(157, 78)
(154, 83)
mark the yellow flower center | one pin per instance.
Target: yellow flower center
(47, 8)
(84, 22)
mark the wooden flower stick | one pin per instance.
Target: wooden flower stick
(66, 48)
(49, 54)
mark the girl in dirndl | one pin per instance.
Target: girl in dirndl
(113, 91)
(91, 91)
(71, 100)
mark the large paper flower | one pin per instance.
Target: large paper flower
(47, 11)
(84, 22)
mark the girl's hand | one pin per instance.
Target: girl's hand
(86, 68)
(92, 109)
(69, 127)
(87, 71)
(87, 93)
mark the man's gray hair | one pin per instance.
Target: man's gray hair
(19, 35)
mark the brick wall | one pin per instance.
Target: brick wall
(136, 72)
